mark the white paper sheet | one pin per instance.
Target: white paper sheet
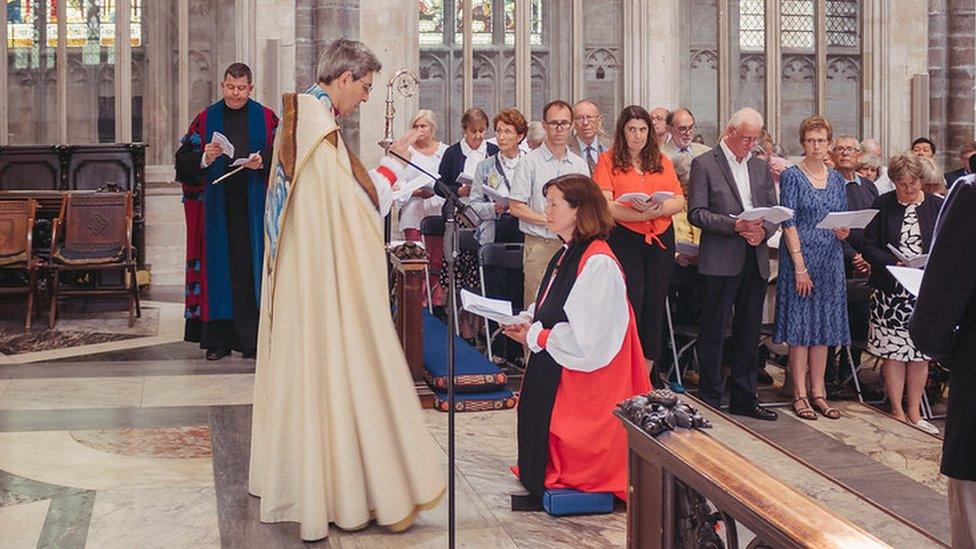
(464, 179)
(857, 219)
(493, 309)
(495, 196)
(916, 261)
(225, 144)
(242, 161)
(908, 277)
(773, 214)
(404, 192)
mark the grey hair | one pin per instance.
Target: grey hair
(744, 116)
(851, 138)
(428, 115)
(537, 131)
(346, 55)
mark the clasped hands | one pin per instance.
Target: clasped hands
(752, 231)
(519, 332)
(648, 210)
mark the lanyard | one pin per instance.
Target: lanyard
(552, 278)
(501, 170)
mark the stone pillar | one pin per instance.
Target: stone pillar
(274, 62)
(390, 29)
(652, 53)
(960, 120)
(895, 49)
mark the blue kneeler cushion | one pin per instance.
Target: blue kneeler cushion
(566, 501)
(473, 372)
(501, 399)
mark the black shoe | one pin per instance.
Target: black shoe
(217, 354)
(758, 412)
(250, 355)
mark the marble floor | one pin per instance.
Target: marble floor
(142, 443)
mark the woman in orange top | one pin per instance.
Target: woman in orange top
(643, 238)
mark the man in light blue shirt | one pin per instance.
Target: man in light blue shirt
(526, 201)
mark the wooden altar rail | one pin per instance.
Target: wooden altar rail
(775, 512)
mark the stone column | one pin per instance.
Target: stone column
(895, 49)
(390, 29)
(652, 53)
(274, 62)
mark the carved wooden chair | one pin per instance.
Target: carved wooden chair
(16, 248)
(93, 232)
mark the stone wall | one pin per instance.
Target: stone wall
(952, 73)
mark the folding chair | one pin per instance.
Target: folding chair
(498, 255)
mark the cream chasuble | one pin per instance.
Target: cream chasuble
(337, 432)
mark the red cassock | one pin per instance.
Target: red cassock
(586, 358)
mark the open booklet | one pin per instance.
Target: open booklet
(495, 196)
(497, 310)
(857, 219)
(225, 144)
(407, 189)
(908, 277)
(916, 261)
(644, 198)
(773, 214)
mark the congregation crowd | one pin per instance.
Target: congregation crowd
(685, 253)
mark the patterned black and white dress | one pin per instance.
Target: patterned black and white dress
(890, 311)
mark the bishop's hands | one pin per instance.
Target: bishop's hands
(752, 231)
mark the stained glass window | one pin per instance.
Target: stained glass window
(91, 23)
(842, 24)
(798, 22)
(535, 22)
(481, 18)
(431, 21)
(752, 25)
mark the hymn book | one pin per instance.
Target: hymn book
(773, 214)
(916, 262)
(497, 310)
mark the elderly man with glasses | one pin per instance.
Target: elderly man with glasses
(526, 200)
(681, 125)
(733, 260)
(589, 141)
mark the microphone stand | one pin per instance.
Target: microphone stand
(451, 251)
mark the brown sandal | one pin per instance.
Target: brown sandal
(804, 412)
(827, 411)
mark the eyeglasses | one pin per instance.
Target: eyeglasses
(367, 86)
(587, 118)
(846, 150)
(684, 129)
(506, 131)
(746, 140)
(559, 124)
(816, 141)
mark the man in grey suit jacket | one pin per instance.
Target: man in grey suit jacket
(733, 260)
(588, 141)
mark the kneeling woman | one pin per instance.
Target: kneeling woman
(586, 353)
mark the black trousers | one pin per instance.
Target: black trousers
(741, 298)
(647, 269)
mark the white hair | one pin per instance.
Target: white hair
(429, 116)
(746, 116)
(537, 131)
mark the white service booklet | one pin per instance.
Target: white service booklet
(857, 219)
(495, 196)
(644, 198)
(908, 277)
(916, 262)
(493, 309)
(408, 188)
(221, 139)
(773, 214)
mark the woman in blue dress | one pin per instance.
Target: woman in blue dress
(811, 292)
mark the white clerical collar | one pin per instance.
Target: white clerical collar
(731, 155)
(466, 149)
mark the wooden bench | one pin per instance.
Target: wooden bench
(778, 510)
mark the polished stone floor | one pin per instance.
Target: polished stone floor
(142, 443)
